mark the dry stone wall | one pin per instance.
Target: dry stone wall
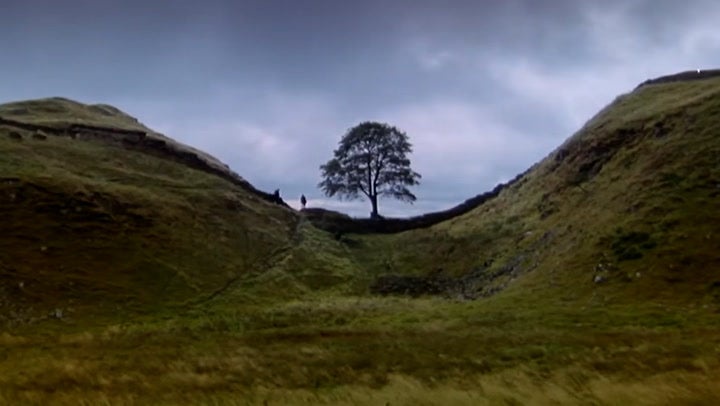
(140, 141)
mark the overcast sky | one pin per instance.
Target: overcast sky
(484, 89)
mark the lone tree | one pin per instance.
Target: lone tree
(371, 159)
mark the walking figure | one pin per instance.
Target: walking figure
(303, 201)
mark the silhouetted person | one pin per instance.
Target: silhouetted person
(276, 195)
(303, 201)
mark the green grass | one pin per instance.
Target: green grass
(60, 111)
(557, 231)
(177, 287)
(361, 350)
(98, 229)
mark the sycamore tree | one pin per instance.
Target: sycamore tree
(371, 160)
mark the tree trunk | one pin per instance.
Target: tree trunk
(374, 213)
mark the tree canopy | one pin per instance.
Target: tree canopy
(371, 160)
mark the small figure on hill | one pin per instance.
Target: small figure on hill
(303, 201)
(276, 196)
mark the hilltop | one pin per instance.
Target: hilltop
(137, 270)
(568, 223)
(105, 215)
(63, 117)
(625, 209)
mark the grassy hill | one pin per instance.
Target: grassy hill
(126, 278)
(92, 227)
(624, 210)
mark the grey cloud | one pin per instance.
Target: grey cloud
(483, 88)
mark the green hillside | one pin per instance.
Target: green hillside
(625, 210)
(92, 227)
(131, 277)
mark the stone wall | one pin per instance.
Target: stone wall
(82, 131)
(339, 223)
(682, 76)
(31, 127)
(139, 141)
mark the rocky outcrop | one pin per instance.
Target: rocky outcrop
(482, 281)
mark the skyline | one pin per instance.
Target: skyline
(483, 89)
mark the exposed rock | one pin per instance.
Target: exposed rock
(15, 135)
(39, 135)
(599, 279)
(483, 281)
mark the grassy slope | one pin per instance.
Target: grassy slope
(61, 112)
(92, 228)
(552, 337)
(640, 179)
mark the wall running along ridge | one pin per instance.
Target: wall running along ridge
(139, 141)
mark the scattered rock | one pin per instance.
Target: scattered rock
(43, 248)
(39, 135)
(605, 266)
(482, 281)
(57, 313)
(599, 279)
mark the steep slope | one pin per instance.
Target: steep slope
(108, 238)
(62, 117)
(91, 226)
(625, 209)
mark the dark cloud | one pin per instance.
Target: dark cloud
(483, 88)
